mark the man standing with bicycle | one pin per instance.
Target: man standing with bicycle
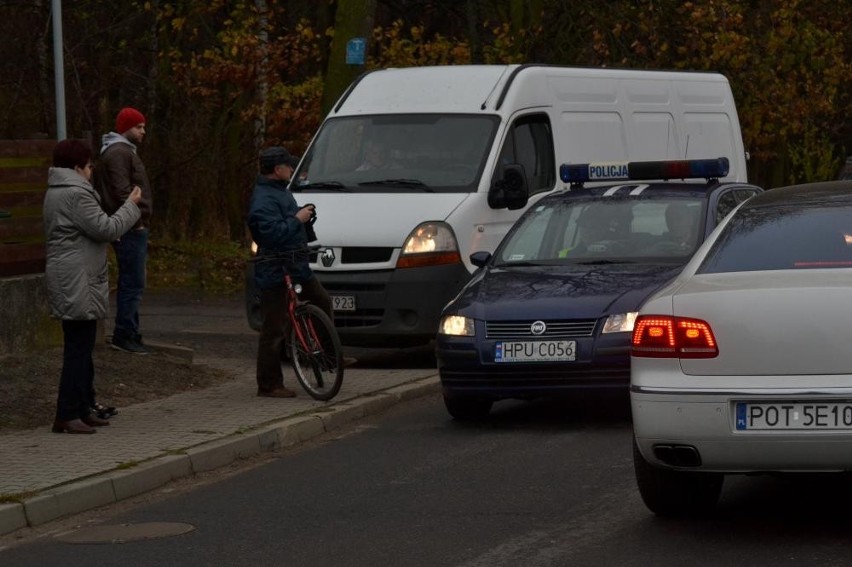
(277, 224)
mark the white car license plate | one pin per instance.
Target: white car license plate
(753, 416)
(343, 302)
(535, 351)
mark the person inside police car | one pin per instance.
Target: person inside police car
(596, 225)
(682, 225)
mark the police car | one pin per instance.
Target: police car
(551, 311)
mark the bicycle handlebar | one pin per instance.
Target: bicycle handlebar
(290, 256)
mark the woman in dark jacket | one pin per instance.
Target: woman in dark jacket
(78, 233)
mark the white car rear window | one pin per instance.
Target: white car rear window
(783, 238)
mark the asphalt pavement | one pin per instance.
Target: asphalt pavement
(45, 476)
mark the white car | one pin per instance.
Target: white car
(743, 363)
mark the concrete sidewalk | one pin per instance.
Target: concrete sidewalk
(45, 476)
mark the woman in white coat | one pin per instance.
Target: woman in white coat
(78, 233)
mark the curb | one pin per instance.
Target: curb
(184, 353)
(117, 485)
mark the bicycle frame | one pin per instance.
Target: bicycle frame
(292, 303)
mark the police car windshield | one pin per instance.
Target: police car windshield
(602, 230)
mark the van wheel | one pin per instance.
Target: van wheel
(676, 493)
(467, 408)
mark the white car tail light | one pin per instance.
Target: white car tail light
(663, 336)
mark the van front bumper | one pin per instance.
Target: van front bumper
(393, 308)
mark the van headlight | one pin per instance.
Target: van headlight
(620, 323)
(456, 326)
(430, 244)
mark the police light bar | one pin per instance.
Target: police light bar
(644, 170)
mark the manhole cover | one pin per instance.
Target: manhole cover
(124, 533)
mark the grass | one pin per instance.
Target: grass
(174, 451)
(15, 497)
(214, 267)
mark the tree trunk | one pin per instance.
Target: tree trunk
(525, 14)
(43, 65)
(354, 18)
(262, 74)
(154, 69)
(473, 23)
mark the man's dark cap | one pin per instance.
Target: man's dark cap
(276, 155)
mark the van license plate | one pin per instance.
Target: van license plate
(794, 416)
(343, 302)
(535, 351)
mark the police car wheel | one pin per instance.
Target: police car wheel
(467, 408)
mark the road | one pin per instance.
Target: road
(217, 326)
(537, 485)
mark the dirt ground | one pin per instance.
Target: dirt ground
(211, 325)
(30, 383)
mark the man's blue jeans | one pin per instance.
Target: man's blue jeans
(131, 251)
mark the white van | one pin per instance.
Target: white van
(416, 168)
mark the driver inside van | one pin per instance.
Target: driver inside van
(377, 156)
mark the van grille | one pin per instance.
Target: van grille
(364, 254)
(359, 318)
(576, 328)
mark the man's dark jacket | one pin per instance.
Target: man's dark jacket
(117, 171)
(275, 228)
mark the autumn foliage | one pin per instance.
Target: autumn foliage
(220, 79)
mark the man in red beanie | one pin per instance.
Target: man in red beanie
(119, 170)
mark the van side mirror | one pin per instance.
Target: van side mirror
(511, 191)
(479, 259)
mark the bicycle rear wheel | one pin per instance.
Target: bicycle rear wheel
(317, 356)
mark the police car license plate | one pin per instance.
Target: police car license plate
(343, 302)
(794, 416)
(535, 351)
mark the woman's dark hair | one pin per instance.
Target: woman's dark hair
(71, 154)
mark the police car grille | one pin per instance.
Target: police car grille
(576, 328)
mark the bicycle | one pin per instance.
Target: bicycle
(311, 344)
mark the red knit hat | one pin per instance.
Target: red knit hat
(128, 118)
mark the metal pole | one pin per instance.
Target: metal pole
(58, 68)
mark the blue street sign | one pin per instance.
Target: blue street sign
(355, 51)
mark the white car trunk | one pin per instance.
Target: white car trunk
(786, 326)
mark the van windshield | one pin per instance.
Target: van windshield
(400, 153)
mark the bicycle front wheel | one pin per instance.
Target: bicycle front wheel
(316, 352)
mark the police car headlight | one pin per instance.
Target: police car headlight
(456, 325)
(620, 323)
(430, 244)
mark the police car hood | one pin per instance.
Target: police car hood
(375, 219)
(560, 292)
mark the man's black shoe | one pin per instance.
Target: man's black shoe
(128, 345)
(104, 412)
